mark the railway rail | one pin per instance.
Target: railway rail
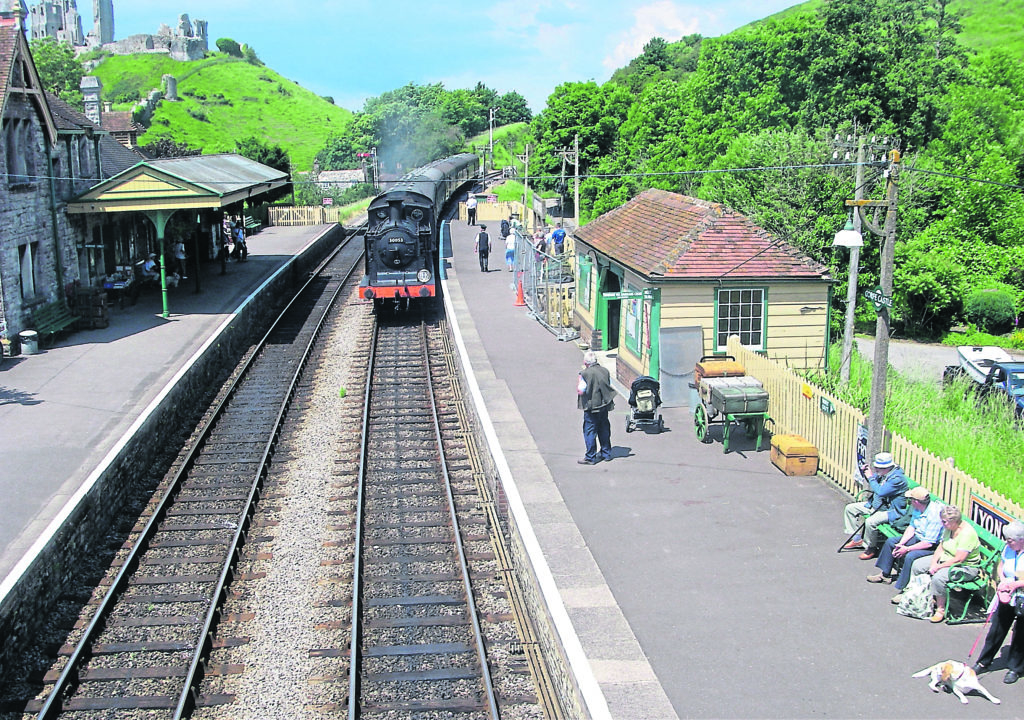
(417, 644)
(147, 643)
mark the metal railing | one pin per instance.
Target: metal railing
(548, 285)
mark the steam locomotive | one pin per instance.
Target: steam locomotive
(402, 230)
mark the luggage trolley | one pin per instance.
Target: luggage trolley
(729, 396)
(644, 401)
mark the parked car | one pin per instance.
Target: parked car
(992, 370)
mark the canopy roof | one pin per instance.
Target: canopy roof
(203, 181)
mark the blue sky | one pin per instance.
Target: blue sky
(355, 49)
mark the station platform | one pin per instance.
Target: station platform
(691, 583)
(64, 409)
(698, 584)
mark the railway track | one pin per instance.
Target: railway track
(147, 644)
(417, 644)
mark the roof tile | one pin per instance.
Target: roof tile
(659, 233)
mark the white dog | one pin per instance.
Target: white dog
(957, 677)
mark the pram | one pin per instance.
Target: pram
(644, 401)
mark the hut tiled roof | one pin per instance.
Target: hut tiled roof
(671, 236)
(114, 156)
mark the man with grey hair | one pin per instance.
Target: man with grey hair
(596, 399)
(1009, 586)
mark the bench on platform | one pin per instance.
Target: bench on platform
(979, 589)
(252, 225)
(50, 319)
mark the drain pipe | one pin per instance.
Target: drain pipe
(53, 218)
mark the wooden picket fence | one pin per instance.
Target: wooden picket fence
(796, 407)
(285, 215)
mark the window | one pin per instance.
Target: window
(84, 160)
(27, 255)
(740, 312)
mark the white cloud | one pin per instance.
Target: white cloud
(664, 19)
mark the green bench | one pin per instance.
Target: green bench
(252, 225)
(979, 590)
(50, 319)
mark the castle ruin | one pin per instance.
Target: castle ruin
(60, 20)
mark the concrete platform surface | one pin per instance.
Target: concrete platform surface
(713, 576)
(63, 410)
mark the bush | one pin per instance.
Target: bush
(991, 310)
(229, 47)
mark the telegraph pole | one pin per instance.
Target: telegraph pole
(883, 297)
(525, 159)
(573, 156)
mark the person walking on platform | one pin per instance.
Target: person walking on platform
(596, 398)
(483, 247)
(471, 209)
(510, 251)
(179, 258)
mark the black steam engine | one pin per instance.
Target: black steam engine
(402, 229)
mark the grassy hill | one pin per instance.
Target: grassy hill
(224, 99)
(987, 24)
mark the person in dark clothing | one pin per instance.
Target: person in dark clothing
(483, 247)
(1010, 581)
(596, 398)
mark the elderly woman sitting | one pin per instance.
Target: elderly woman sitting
(959, 546)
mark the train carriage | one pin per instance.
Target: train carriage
(402, 229)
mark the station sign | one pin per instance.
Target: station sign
(646, 294)
(328, 201)
(879, 298)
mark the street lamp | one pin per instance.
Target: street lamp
(882, 297)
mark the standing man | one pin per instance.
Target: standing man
(483, 247)
(558, 240)
(887, 505)
(596, 399)
(471, 209)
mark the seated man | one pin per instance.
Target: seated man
(918, 540)
(887, 504)
(150, 268)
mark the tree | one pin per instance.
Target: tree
(267, 154)
(167, 148)
(249, 53)
(512, 108)
(59, 71)
(229, 47)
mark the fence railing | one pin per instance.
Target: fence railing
(285, 215)
(548, 285)
(796, 407)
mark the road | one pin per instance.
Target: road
(920, 361)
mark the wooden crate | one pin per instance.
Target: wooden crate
(793, 455)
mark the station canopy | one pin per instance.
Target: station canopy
(168, 184)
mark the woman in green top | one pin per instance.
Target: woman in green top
(959, 546)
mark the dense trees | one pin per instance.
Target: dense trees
(744, 119)
(59, 71)
(415, 124)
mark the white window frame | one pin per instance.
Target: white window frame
(745, 314)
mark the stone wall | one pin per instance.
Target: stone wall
(31, 599)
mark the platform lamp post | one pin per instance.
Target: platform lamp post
(882, 295)
(490, 124)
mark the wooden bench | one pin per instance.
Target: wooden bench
(252, 225)
(52, 318)
(979, 590)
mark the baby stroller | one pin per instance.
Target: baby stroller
(644, 401)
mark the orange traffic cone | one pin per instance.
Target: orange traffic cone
(519, 294)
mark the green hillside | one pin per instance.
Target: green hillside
(224, 99)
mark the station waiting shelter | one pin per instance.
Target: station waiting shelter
(160, 188)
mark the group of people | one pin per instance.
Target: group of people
(482, 244)
(934, 540)
(178, 267)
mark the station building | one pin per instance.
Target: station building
(665, 279)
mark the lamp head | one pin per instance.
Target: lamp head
(848, 236)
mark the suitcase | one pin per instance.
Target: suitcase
(717, 366)
(744, 381)
(793, 455)
(731, 400)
